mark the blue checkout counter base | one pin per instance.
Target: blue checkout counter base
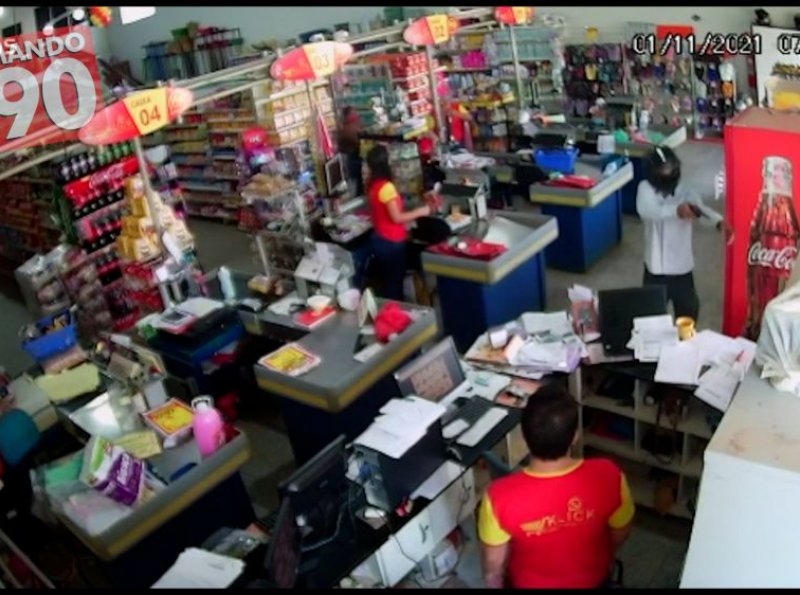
(226, 505)
(311, 429)
(470, 308)
(630, 189)
(584, 234)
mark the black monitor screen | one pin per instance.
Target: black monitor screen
(283, 554)
(618, 308)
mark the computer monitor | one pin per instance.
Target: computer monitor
(318, 488)
(283, 553)
(336, 176)
(434, 374)
(618, 307)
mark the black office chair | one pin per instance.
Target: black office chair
(498, 468)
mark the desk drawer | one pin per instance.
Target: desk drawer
(454, 505)
(398, 556)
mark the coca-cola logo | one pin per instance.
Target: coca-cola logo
(782, 260)
(111, 174)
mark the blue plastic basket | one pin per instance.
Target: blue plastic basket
(557, 159)
(52, 343)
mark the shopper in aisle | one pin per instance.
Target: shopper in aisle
(668, 209)
(558, 523)
(389, 221)
(350, 147)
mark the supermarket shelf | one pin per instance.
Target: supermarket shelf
(460, 70)
(643, 492)
(201, 188)
(224, 157)
(409, 78)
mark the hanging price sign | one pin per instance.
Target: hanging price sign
(311, 61)
(431, 30)
(49, 87)
(136, 115)
(514, 15)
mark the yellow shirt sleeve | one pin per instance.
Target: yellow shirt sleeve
(624, 514)
(489, 530)
(387, 193)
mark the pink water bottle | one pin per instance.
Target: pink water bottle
(207, 426)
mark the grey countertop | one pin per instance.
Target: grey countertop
(578, 197)
(340, 379)
(524, 234)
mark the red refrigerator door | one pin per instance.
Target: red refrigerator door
(765, 246)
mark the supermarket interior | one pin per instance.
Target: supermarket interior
(399, 297)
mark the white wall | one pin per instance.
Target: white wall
(280, 22)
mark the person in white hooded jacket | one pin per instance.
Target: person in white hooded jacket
(668, 208)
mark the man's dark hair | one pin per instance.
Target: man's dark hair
(378, 163)
(549, 422)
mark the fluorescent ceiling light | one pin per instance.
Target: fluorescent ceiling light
(79, 14)
(131, 14)
(2, 10)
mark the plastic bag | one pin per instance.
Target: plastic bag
(779, 342)
(113, 472)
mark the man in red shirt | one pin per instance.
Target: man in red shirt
(558, 523)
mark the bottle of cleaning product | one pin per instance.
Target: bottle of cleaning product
(207, 426)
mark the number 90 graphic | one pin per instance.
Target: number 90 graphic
(25, 107)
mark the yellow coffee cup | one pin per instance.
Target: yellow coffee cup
(685, 328)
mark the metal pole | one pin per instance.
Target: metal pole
(437, 106)
(515, 58)
(262, 252)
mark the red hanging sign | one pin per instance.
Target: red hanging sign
(311, 61)
(49, 87)
(431, 30)
(136, 115)
(513, 15)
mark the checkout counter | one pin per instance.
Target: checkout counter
(477, 294)
(341, 395)
(200, 495)
(589, 220)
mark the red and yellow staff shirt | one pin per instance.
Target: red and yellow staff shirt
(557, 524)
(381, 193)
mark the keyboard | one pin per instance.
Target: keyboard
(482, 427)
(467, 409)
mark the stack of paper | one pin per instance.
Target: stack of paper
(584, 312)
(199, 569)
(402, 424)
(650, 334)
(730, 359)
(678, 364)
(555, 324)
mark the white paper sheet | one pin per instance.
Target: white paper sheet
(556, 323)
(717, 387)
(199, 569)
(199, 306)
(678, 364)
(446, 474)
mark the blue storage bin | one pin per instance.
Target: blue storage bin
(53, 343)
(557, 159)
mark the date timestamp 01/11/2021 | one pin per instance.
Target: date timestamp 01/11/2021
(710, 44)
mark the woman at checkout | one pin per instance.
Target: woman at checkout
(389, 223)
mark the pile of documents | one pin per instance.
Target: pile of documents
(540, 343)
(200, 569)
(729, 360)
(650, 335)
(402, 423)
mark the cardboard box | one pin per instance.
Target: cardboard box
(136, 227)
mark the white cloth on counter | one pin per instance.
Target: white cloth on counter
(779, 342)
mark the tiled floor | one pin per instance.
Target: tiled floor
(653, 556)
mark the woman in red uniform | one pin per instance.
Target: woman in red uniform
(389, 221)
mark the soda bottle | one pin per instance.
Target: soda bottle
(774, 238)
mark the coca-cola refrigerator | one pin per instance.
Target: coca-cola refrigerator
(762, 187)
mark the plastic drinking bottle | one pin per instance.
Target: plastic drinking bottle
(207, 426)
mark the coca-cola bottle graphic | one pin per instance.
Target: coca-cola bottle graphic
(774, 238)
